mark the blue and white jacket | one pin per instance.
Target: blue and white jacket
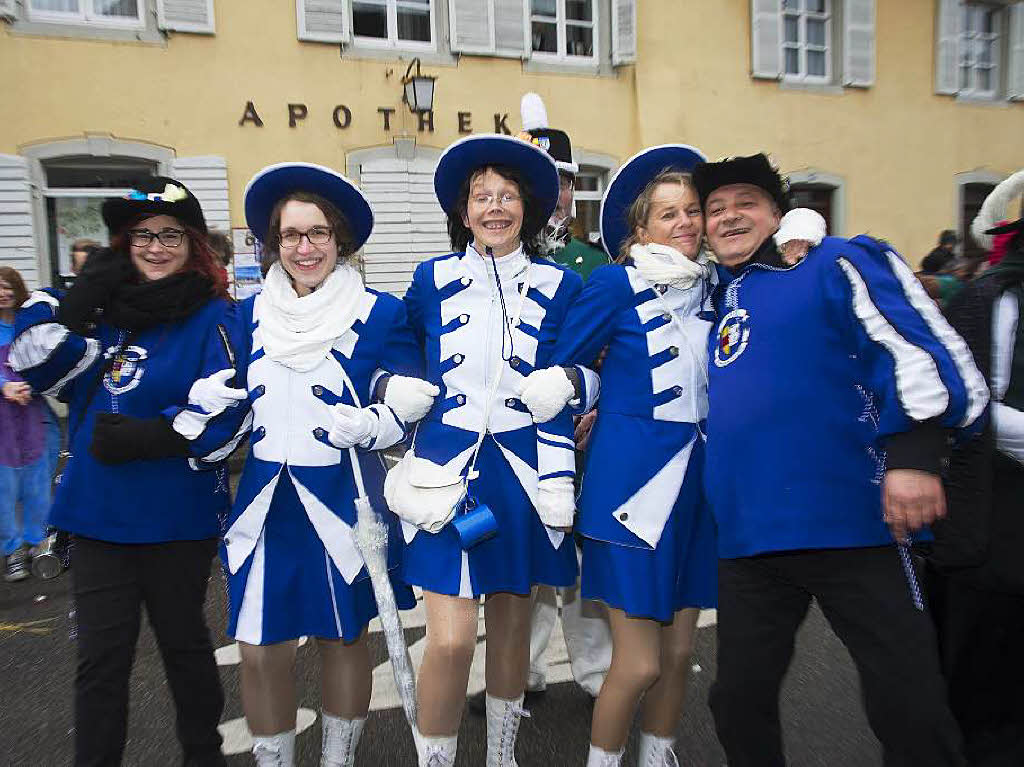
(288, 415)
(812, 368)
(653, 396)
(455, 309)
(147, 375)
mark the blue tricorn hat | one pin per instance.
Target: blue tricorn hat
(631, 179)
(459, 160)
(269, 185)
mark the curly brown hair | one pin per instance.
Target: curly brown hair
(12, 277)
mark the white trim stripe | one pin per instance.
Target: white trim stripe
(918, 384)
(92, 352)
(249, 628)
(35, 345)
(974, 382)
(223, 452)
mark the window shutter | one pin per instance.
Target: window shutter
(765, 39)
(623, 32)
(947, 40)
(17, 237)
(859, 47)
(511, 23)
(470, 25)
(7, 9)
(186, 16)
(409, 226)
(323, 21)
(1015, 80)
(207, 178)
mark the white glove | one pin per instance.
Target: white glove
(556, 501)
(545, 392)
(212, 394)
(410, 398)
(352, 427)
(801, 224)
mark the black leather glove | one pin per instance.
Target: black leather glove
(104, 271)
(122, 438)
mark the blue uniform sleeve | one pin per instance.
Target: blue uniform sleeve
(45, 353)
(919, 369)
(415, 303)
(213, 426)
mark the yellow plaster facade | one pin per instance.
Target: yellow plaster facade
(896, 146)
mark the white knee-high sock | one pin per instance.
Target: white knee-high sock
(598, 757)
(340, 740)
(435, 751)
(274, 750)
(503, 717)
(656, 751)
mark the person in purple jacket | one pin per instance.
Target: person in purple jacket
(24, 464)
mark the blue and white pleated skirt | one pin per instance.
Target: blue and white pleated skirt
(682, 571)
(299, 591)
(518, 557)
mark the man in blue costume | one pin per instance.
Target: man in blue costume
(833, 386)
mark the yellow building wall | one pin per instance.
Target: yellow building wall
(897, 145)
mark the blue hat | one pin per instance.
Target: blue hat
(631, 179)
(463, 157)
(275, 181)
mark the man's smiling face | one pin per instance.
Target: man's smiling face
(739, 217)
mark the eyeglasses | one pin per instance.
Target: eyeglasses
(318, 235)
(505, 200)
(169, 238)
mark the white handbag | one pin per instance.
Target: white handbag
(428, 495)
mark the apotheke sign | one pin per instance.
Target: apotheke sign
(342, 118)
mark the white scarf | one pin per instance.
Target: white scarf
(664, 265)
(299, 332)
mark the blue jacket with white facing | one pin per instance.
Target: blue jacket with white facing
(146, 375)
(456, 310)
(813, 370)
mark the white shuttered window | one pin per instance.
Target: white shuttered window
(207, 178)
(409, 226)
(1015, 81)
(623, 31)
(186, 15)
(17, 239)
(492, 27)
(859, 47)
(766, 39)
(323, 21)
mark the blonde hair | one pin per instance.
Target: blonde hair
(640, 210)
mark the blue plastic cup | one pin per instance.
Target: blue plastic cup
(475, 526)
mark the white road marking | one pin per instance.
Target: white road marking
(238, 739)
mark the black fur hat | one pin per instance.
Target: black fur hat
(756, 170)
(154, 196)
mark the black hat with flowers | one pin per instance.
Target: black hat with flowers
(154, 196)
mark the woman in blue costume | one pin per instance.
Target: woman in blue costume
(486, 316)
(124, 347)
(312, 344)
(649, 541)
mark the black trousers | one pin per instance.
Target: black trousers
(112, 582)
(981, 646)
(864, 595)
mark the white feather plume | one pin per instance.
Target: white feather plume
(993, 210)
(533, 112)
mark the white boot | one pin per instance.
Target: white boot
(503, 718)
(340, 740)
(274, 750)
(598, 757)
(656, 751)
(435, 751)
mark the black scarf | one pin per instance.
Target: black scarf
(138, 306)
(767, 254)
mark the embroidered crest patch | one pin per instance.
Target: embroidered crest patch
(733, 334)
(127, 369)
